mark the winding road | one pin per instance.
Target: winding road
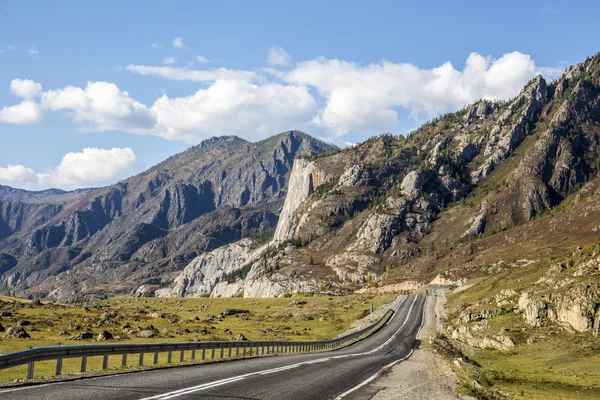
(344, 373)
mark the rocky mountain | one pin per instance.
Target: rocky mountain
(142, 230)
(448, 202)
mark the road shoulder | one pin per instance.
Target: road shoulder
(424, 375)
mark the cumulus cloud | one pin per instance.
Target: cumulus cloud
(25, 113)
(178, 43)
(184, 74)
(230, 107)
(17, 175)
(101, 106)
(33, 52)
(25, 88)
(277, 56)
(88, 168)
(326, 97)
(169, 60)
(364, 98)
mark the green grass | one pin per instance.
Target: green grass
(560, 365)
(269, 319)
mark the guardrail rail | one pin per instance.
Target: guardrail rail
(206, 349)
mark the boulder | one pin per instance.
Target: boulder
(16, 332)
(104, 335)
(234, 311)
(146, 333)
(85, 335)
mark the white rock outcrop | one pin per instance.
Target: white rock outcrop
(411, 185)
(300, 186)
(200, 276)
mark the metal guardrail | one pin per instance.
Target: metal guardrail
(247, 348)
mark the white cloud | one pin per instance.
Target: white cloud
(25, 113)
(101, 106)
(278, 56)
(178, 43)
(230, 107)
(184, 74)
(169, 60)
(88, 168)
(155, 45)
(363, 98)
(17, 175)
(201, 60)
(33, 52)
(323, 96)
(25, 88)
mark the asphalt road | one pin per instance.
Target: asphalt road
(330, 375)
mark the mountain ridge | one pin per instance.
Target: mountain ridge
(240, 181)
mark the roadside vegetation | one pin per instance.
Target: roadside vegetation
(549, 361)
(139, 320)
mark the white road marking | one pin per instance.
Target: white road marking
(373, 377)
(203, 387)
(209, 385)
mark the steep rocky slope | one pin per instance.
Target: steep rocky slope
(438, 201)
(139, 231)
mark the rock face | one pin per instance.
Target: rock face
(301, 185)
(412, 184)
(200, 277)
(579, 308)
(142, 231)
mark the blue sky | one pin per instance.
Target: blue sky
(92, 75)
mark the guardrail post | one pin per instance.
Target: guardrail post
(229, 352)
(182, 356)
(222, 351)
(169, 357)
(244, 352)
(193, 354)
(105, 361)
(124, 360)
(237, 352)
(141, 359)
(30, 369)
(156, 357)
(58, 370)
(83, 363)
(212, 354)
(203, 354)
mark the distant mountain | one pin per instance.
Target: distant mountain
(50, 196)
(100, 242)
